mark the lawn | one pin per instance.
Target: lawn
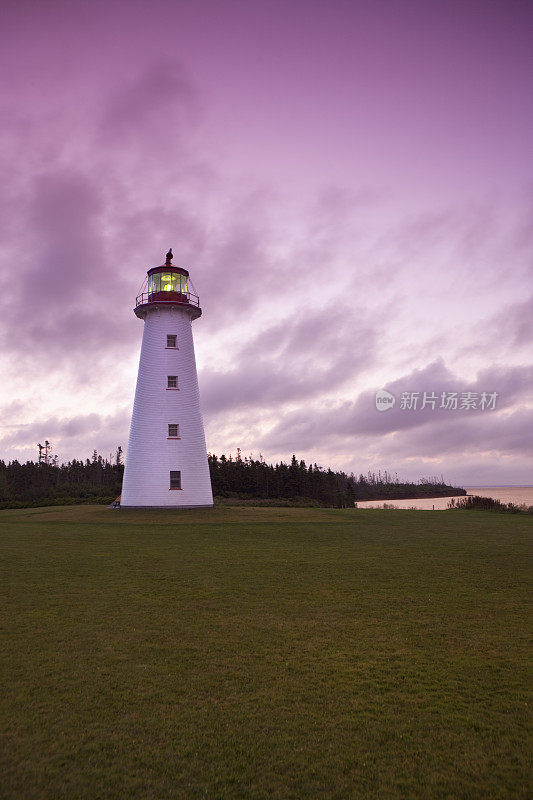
(265, 653)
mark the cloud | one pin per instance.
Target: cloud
(513, 324)
(63, 295)
(499, 435)
(71, 437)
(405, 431)
(297, 358)
(154, 114)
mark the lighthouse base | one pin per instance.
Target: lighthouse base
(160, 508)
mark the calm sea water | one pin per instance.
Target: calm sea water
(506, 494)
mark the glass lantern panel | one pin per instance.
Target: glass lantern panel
(154, 283)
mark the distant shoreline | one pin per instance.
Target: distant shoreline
(516, 495)
(503, 486)
(457, 492)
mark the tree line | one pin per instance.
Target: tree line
(233, 478)
(95, 480)
(251, 479)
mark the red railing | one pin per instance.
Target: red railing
(187, 298)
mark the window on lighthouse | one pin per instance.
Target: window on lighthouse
(171, 340)
(175, 479)
(172, 382)
(173, 431)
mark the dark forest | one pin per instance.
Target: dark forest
(234, 478)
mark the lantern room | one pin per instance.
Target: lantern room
(167, 284)
(164, 283)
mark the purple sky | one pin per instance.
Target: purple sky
(350, 185)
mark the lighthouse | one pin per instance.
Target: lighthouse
(166, 462)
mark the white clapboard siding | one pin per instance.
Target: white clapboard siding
(151, 455)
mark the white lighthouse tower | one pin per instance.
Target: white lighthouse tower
(166, 462)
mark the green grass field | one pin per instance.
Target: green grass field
(265, 653)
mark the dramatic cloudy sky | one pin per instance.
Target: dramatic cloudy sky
(349, 183)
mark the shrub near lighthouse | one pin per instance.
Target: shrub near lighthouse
(166, 462)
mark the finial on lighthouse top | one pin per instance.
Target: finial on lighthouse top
(169, 258)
